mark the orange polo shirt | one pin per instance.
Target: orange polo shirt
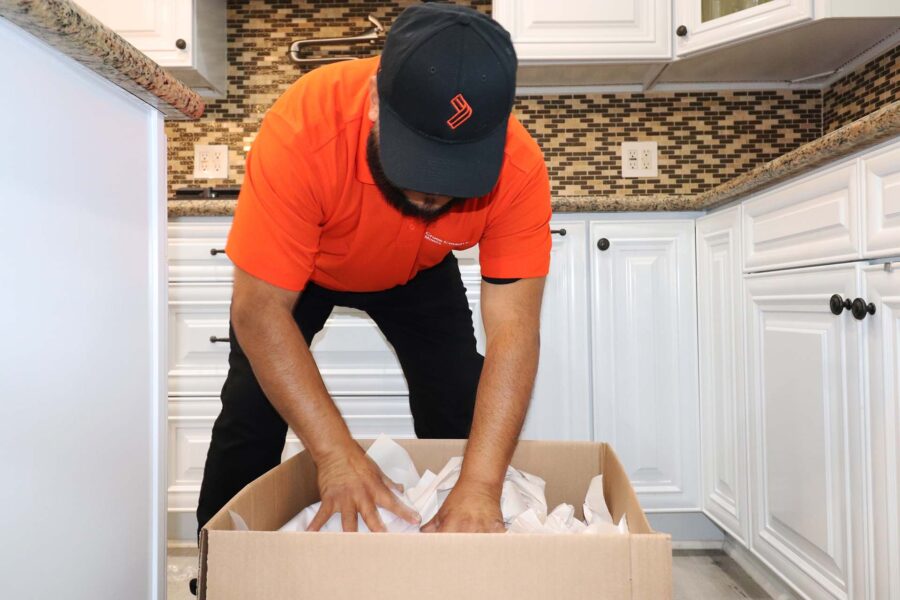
(309, 209)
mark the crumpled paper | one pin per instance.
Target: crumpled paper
(522, 500)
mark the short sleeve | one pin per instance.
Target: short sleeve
(516, 241)
(277, 222)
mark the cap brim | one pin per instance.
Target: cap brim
(414, 162)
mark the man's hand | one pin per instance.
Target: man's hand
(470, 508)
(350, 482)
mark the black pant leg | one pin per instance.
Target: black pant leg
(248, 435)
(429, 324)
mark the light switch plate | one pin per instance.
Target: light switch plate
(639, 159)
(210, 161)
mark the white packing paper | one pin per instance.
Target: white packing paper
(522, 501)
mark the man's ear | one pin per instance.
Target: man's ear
(373, 98)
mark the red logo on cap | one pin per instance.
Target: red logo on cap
(463, 111)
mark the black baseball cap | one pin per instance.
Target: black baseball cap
(446, 85)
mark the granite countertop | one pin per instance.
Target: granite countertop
(862, 133)
(65, 26)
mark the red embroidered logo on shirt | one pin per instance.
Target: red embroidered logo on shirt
(463, 111)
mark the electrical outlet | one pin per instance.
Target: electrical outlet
(639, 159)
(210, 162)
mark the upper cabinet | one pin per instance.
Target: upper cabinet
(701, 24)
(186, 37)
(587, 29)
(655, 43)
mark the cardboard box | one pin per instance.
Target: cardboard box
(264, 563)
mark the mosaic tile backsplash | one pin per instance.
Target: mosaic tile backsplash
(704, 138)
(866, 89)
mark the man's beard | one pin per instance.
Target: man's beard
(395, 195)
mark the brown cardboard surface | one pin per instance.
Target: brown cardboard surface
(264, 563)
(324, 566)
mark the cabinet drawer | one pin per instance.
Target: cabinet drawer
(190, 425)
(198, 312)
(812, 221)
(352, 354)
(881, 185)
(194, 250)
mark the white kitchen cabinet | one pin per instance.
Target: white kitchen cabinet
(561, 403)
(804, 369)
(807, 221)
(579, 30)
(644, 355)
(723, 407)
(883, 335)
(881, 191)
(703, 24)
(187, 37)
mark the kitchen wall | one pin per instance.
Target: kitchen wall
(866, 89)
(704, 137)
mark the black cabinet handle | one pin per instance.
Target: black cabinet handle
(603, 244)
(215, 251)
(561, 232)
(860, 309)
(213, 339)
(838, 304)
(681, 31)
(180, 44)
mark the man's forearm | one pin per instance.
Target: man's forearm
(287, 372)
(504, 392)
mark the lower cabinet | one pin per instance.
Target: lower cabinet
(644, 355)
(723, 406)
(882, 289)
(561, 402)
(805, 366)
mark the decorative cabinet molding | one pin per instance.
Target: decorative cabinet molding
(723, 406)
(644, 371)
(578, 30)
(813, 220)
(881, 206)
(807, 458)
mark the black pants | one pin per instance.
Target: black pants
(429, 324)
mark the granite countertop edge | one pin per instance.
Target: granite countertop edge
(853, 137)
(71, 30)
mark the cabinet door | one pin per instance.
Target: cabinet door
(881, 205)
(587, 29)
(151, 26)
(806, 458)
(723, 407)
(883, 332)
(561, 403)
(645, 355)
(711, 23)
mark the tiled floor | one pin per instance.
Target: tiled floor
(697, 575)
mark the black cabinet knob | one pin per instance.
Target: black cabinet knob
(561, 232)
(838, 304)
(681, 31)
(603, 244)
(215, 251)
(180, 44)
(860, 309)
(213, 339)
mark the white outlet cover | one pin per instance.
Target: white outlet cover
(210, 161)
(639, 159)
